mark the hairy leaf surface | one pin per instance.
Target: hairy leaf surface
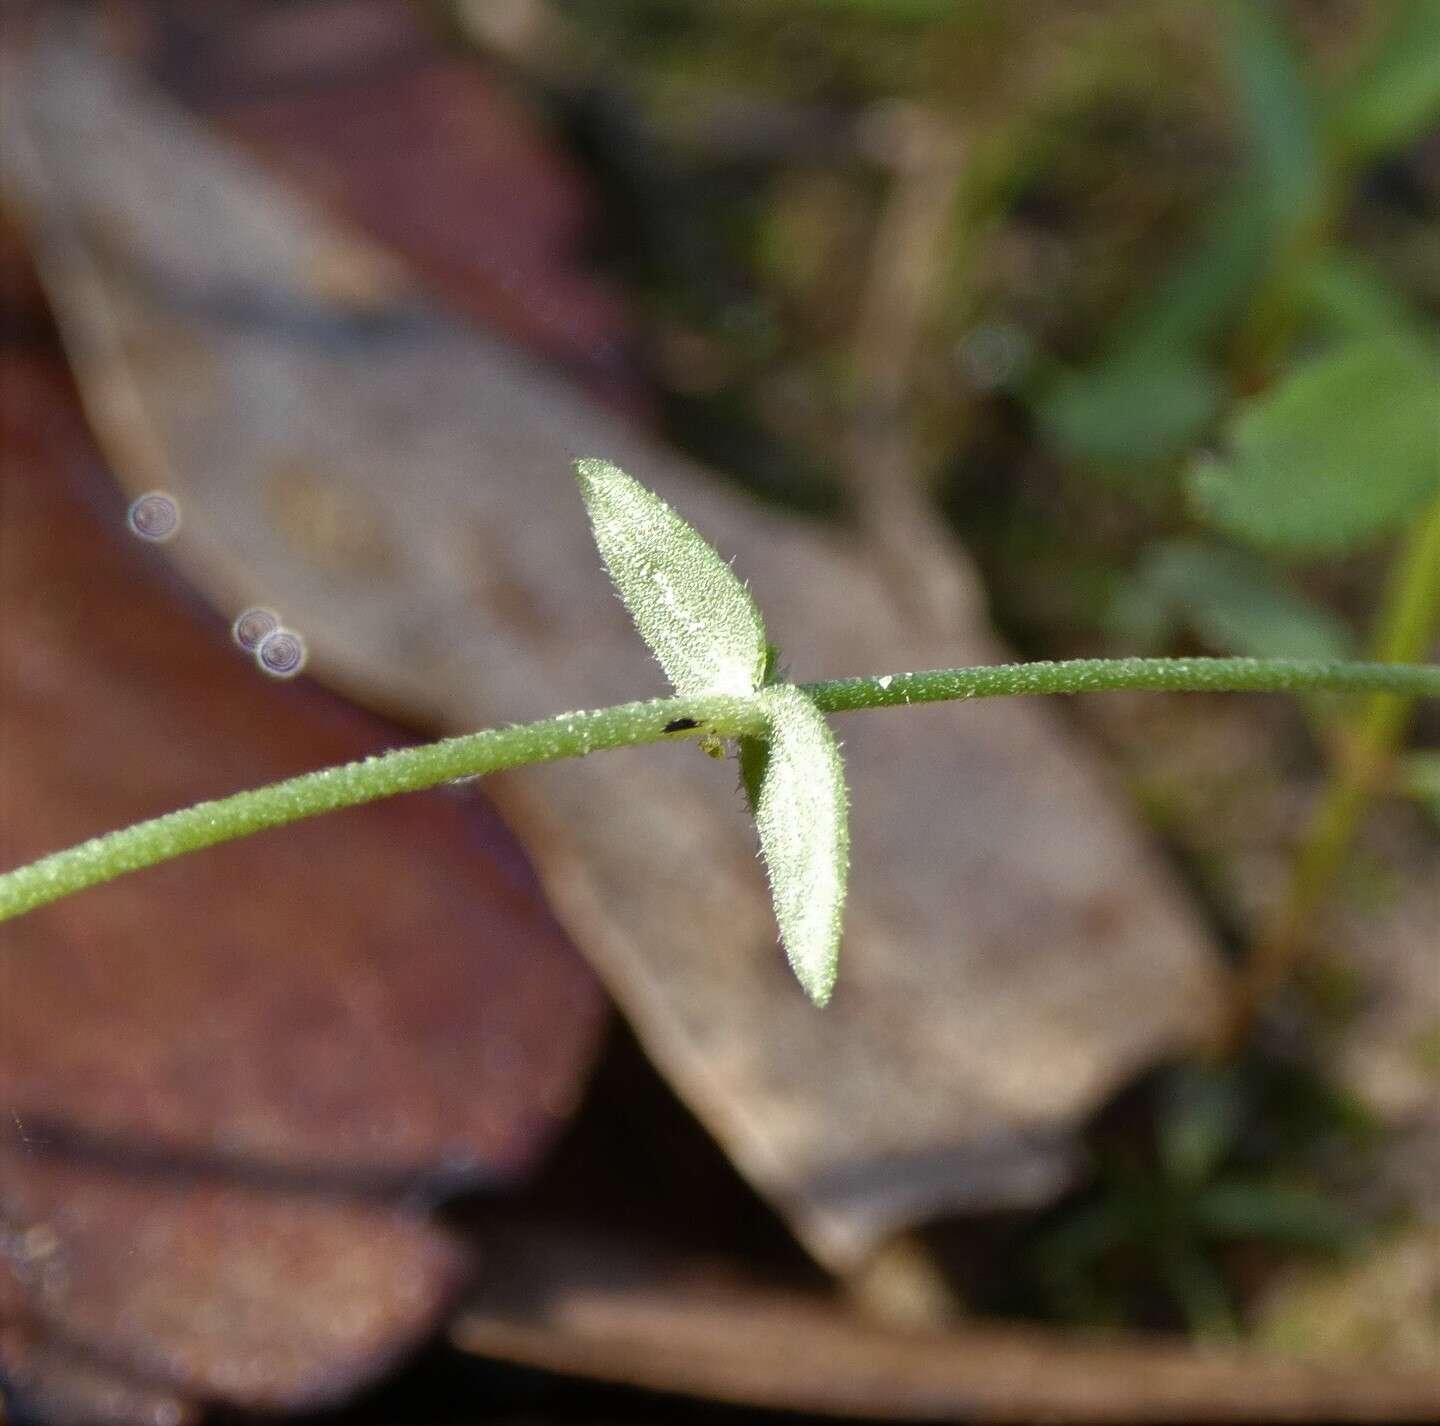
(801, 810)
(697, 617)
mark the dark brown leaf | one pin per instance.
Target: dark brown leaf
(202, 1072)
(56, 1383)
(381, 994)
(270, 1297)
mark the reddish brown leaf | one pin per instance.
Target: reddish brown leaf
(267, 1296)
(424, 147)
(380, 993)
(202, 1065)
(53, 1382)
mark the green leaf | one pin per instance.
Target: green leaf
(1338, 453)
(801, 811)
(1280, 113)
(1277, 1213)
(1234, 601)
(1418, 776)
(1210, 283)
(1201, 1124)
(1200, 1289)
(1392, 98)
(1136, 407)
(1345, 296)
(1155, 390)
(697, 617)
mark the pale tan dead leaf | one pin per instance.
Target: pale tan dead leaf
(1013, 950)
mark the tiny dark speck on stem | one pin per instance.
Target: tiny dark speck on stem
(681, 725)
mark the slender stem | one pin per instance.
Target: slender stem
(571, 735)
(845, 695)
(574, 735)
(1407, 625)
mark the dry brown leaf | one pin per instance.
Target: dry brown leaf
(207, 1077)
(364, 107)
(270, 1297)
(615, 1312)
(384, 997)
(399, 484)
(57, 1383)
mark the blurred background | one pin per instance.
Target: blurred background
(972, 331)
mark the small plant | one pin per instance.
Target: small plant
(705, 629)
(1214, 1176)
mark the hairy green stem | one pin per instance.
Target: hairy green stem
(573, 735)
(1115, 675)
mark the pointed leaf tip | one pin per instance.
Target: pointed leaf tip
(802, 813)
(699, 620)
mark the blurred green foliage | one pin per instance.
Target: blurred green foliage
(1229, 1174)
(1158, 255)
(1233, 599)
(1173, 378)
(1340, 450)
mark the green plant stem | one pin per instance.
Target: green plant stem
(945, 685)
(573, 735)
(1406, 628)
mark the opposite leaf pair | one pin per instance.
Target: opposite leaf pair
(705, 629)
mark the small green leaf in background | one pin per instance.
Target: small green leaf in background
(1418, 775)
(1390, 99)
(697, 617)
(1139, 406)
(1280, 114)
(1232, 599)
(1338, 453)
(1200, 1124)
(1342, 296)
(1156, 389)
(1275, 1213)
(801, 811)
